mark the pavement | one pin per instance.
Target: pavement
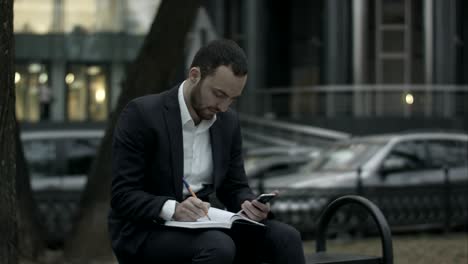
(441, 248)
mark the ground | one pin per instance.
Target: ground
(441, 248)
(414, 249)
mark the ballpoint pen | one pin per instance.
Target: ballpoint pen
(193, 194)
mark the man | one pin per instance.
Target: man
(45, 98)
(189, 133)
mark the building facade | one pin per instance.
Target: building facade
(327, 62)
(71, 55)
(315, 59)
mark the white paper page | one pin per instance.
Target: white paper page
(217, 215)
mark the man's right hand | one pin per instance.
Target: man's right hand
(190, 210)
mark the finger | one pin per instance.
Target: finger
(199, 203)
(261, 206)
(252, 211)
(197, 211)
(191, 215)
(207, 206)
(251, 215)
(193, 206)
(183, 214)
(248, 214)
(261, 213)
(204, 206)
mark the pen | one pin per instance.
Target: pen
(193, 194)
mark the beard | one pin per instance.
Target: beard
(204, 113)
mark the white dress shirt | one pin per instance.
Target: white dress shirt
(198, 162)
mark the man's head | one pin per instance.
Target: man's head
(217, 76)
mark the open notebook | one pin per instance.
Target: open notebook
(219, 219)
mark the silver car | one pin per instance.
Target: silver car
(418, 179)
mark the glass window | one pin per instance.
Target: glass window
(42, 158)
(33, 93)
(33, 16)
(344, 157)
(393, 11)
(81, 16)
(410, 155)
(87, 88)
(140, 15)
(110, 15)
(80, 154)
(448, 153)
(85, 16)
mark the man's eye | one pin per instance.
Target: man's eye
(219, 95)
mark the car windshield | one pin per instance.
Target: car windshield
(344, 157)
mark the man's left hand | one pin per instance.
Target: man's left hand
(255, 210)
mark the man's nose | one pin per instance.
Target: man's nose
(224, 105)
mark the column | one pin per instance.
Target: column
(57, 84)
(428, 16)
(359, 56)
(337, 43)
(116, 76)
(337, 55)
(445, 49)
(252, 45)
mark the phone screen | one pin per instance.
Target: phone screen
(266, 197)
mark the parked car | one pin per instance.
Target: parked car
(416, 178)
(267, 162)
(59, 159)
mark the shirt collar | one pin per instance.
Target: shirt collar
(185, 114)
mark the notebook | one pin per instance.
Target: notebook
(219, 219)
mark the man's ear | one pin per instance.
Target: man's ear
(194, 75)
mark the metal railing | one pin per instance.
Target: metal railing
(287, 134)
(396, 100)
(419, 207)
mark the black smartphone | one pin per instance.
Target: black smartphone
(266, 197)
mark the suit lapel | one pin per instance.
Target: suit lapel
(216, 143)
(174, 130)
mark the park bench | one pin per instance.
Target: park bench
(323, 257)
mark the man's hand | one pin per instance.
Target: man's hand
(190, 210)
(255, 210)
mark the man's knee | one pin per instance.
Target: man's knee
(284, 233)
(218, 247)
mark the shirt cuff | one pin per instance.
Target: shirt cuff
(168, 210)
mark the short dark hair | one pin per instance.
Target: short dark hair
(222, 52)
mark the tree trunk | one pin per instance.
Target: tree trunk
(161, 54)
(8, 227)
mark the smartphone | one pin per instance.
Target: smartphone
(266, 197)
(263, 198)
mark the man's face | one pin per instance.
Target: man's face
(216, 92)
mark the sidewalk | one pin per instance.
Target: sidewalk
(441, 248)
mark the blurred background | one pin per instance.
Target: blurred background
(364, 97)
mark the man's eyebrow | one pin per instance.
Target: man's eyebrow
(225, 94)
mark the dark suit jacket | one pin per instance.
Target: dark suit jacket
(147, 166)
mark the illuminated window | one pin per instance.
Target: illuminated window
(87, 93)
(140, 15)
(81, 15)
(33, 16)
(33, 93)
(84, 16)
(109, 15)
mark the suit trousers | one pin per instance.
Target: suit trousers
(278, 243)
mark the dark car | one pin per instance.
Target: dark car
(59, 160)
